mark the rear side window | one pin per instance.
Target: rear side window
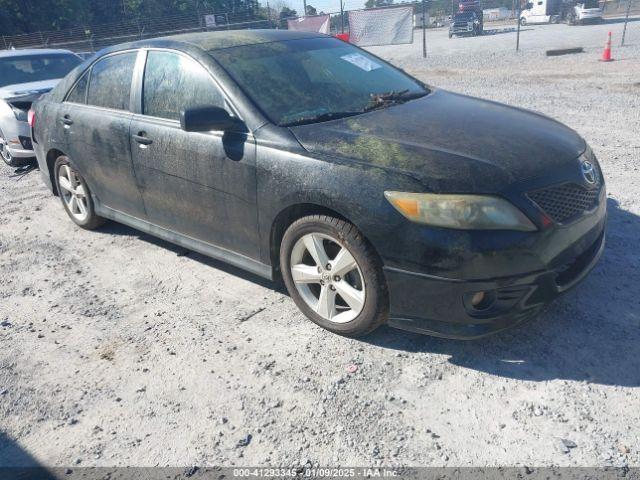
(110, 84)
(78, 93)
(173, 83)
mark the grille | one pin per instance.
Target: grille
(563, 202)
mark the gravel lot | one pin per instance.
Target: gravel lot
(118, 349)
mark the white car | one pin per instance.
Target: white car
(573, 12)
(24, 76)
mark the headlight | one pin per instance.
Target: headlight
(20, 114)
(465, 212)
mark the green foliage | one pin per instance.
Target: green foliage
(25, 16)
(377, 3)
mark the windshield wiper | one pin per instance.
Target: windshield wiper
(323, 117)
(378, 100)
(383, 99)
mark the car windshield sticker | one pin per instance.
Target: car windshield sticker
(361, 61)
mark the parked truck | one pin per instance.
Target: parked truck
(468, 19)
(572, 12)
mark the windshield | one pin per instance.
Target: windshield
(309, 80)
(35, 68)
(465, 16)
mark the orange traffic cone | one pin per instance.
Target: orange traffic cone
(606, 53)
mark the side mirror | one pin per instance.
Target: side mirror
(205, 119)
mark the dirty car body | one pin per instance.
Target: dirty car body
(231, 194)
(25, 75)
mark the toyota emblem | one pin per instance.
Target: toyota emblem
(588, 172)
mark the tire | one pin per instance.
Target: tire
(363, 285)
(523, 22)
(6, 156)
(79, 204)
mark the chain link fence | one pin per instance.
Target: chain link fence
(90, 38)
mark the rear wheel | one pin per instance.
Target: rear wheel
(75, 195)
(333, 275)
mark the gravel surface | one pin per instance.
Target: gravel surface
(118, 349)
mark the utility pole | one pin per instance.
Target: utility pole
(626, 20)
(304, 3)
(269, 14)
(342, 15)
(424, 28)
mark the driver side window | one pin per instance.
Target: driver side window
(174, 82)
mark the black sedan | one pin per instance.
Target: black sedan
(377, 199)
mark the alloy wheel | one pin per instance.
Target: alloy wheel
(73, 193)
(4, 151)
(328, 277)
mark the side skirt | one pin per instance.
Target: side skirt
(219, 253)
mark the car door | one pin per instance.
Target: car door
(96, 115)
(202, 185)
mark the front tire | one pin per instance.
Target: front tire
(6, 154)
(523, 22)
(75, 195)
(334, 275)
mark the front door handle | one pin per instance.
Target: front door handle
(142, 139)
(67, 120)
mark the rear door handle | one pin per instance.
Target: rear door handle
(142, 139)
(67, 120)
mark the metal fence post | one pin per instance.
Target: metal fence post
(518, 20)
(424, 29)
(626, 20)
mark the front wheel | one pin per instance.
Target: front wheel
(5, 153)
(75, 195)
(333, 275)
(523, 21)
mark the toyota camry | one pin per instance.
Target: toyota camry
(296, 156)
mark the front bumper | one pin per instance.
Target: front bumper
(461, 29)
(439, 306)
(18, 140)
(522, 276)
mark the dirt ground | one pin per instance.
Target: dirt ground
(117, 349)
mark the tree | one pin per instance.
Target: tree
(287, 12)
(26, 16)
(311, 10)
(377, 3)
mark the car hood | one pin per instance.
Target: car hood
(31, 89)
(449, 142)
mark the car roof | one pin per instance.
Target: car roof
(235, 38)
(209, 41)
(31, 52)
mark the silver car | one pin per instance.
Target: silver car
(24, 76)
